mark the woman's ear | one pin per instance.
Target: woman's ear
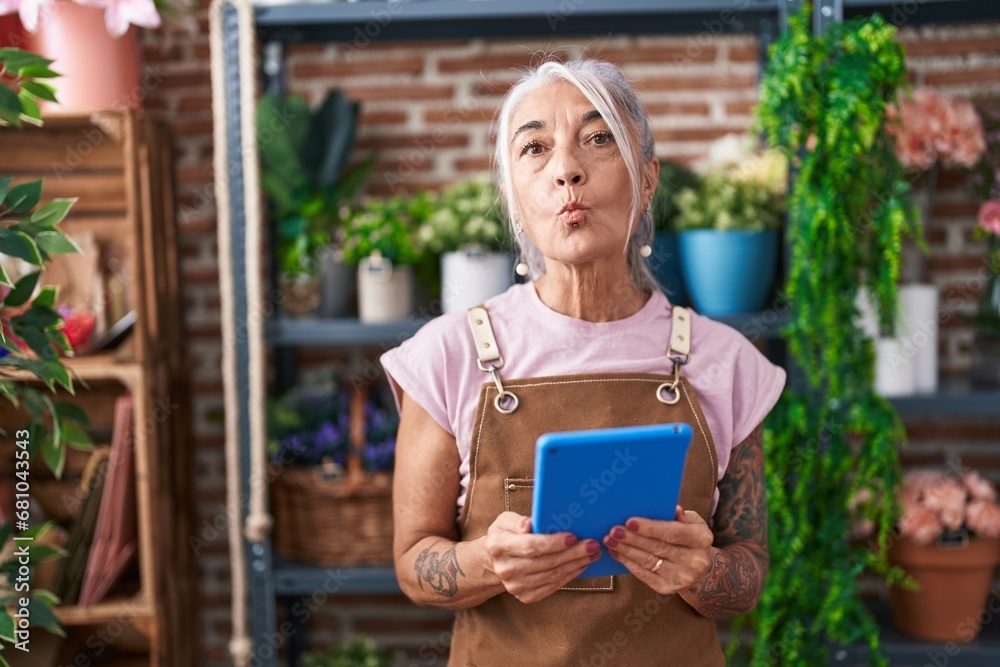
(652, 178)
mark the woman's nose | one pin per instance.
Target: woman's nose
(567, 169)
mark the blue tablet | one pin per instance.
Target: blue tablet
(588, 481)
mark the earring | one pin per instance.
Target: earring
(521, 269)
(645, 250)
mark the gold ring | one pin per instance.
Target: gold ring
(656, 568)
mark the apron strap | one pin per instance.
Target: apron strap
(489, 358)
(679, 348)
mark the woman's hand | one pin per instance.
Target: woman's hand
(684, 545)
(533, 567)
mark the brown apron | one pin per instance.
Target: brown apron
(615, 620)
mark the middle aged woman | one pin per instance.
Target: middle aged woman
(586, 344)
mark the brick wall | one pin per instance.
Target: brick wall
(426, 108)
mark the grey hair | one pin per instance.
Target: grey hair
(609, 91)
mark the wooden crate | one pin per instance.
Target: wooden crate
(119, 165)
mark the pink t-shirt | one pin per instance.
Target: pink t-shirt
(736, 385)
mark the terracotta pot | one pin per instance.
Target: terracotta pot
(98, 71)
(955, 585)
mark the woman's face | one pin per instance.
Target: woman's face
(571, 186)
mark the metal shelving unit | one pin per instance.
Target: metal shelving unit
(360, 22)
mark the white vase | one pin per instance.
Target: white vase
(471, 276)
(894, 374)
(385, 292)
(917, 327)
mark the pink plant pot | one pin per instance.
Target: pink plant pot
(98, 71)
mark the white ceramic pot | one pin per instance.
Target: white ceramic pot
(471, 276)
(894, 373)
(385, 292)
(338, 284)
(917, 327)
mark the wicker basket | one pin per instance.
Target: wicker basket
(332, 521)
(327, 518)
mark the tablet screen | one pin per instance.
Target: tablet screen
(586, 482)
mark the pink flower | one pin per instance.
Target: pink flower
(979, 488)
(919, 480)
(947, 498)
(930, 126)
(118, 14)
(989, 216)
(921, 525)
(984, 518)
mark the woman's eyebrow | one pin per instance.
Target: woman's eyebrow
(530, 125)
(591, 115)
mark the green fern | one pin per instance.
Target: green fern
(823, 101)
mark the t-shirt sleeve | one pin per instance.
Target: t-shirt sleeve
(757, 387)
(416, 366)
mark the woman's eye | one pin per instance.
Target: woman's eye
(602, 138)
(531, 148)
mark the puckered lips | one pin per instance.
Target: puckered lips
(572, 213)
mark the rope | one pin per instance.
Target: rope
(258, 521)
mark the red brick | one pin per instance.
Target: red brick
(953, 263)
(666, 54)
(732, 81)
(472, 164)
(414, 141)
(954, 209)
(367, 67)
(494, 61)
(204, 330)
(953, 431)
(400, 92)
(916, 47)
(936, 236)
(962, 76)
(390, 165)
(677, 108)
(740, 107)
(154, 52)
(194, 103)
(196, 174)
(206, 387)
(201, 276)
(306, 49)
(489, 88)
(918, 460)
(205, 225)
(745, 52)
(695, 133)
(188, 79)
(382, 117)
(460, 114)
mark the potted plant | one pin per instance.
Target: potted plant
(332, 450)
(665, 260)
(949, 543)
(465, 232)
(304, 172)
(728, 226)
(930, 129)
(378, 238)
(356, 652)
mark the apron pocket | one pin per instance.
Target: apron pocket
(517, 498)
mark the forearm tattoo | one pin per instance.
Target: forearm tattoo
(738, 570)
(439, 570)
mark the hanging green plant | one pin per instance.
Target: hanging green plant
(823, 101)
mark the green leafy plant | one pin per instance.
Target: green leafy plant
(357, 652)
(30, 338)
(723, 202)
(383, 226)
(465, 214)
(823, 100)
(674, 177)
(304, 172)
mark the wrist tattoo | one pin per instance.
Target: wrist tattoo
(732, 584)
(439, 570)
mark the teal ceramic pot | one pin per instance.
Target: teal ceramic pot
(665, 263)
(728, 272)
